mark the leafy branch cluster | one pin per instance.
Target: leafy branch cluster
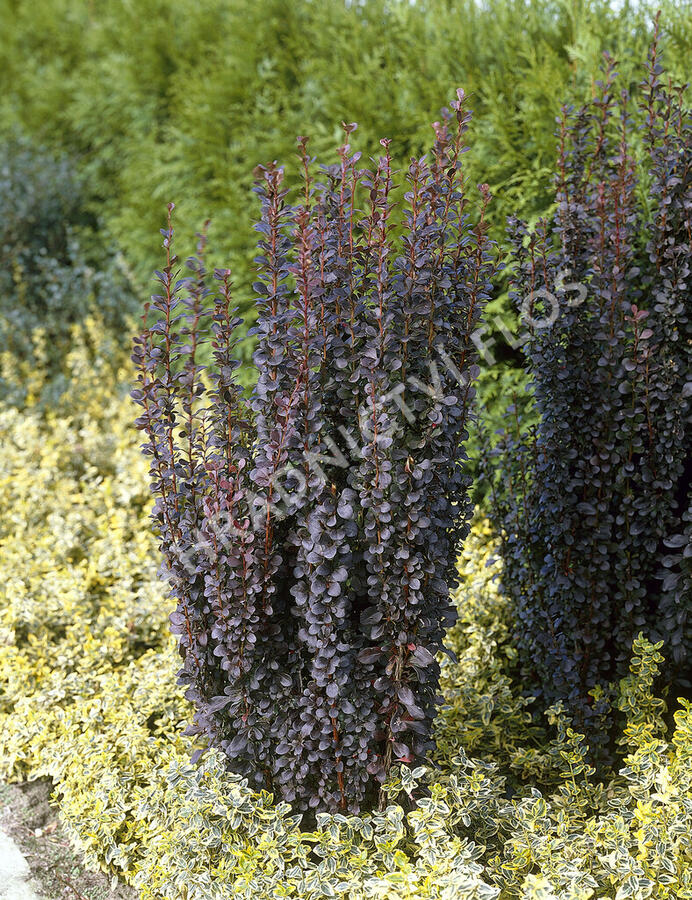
(594, 500)
(310, 531)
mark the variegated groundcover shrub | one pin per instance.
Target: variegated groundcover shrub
(309, 532)
(88, 698)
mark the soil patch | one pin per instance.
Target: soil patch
(57, 869)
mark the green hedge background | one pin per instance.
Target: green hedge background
(159, 100)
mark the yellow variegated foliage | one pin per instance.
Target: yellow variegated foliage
(484, 711)
(88, 697)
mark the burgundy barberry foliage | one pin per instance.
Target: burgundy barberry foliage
(595, 512)
(310, 532)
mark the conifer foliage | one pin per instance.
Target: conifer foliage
(310, 531)
(594, 501)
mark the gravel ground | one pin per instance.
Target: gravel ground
(37, 861)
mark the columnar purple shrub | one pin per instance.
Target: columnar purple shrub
(596, 497)
(310, 531)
